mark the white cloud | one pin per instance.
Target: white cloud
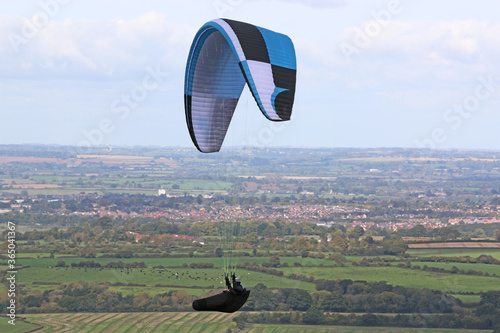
(91, 48)
(426, 51)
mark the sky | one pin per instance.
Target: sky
(397, 73)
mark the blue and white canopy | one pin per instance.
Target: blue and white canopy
(224, 55)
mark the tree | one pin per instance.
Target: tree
(88, 252)
(491, 297)
(104, 222)
(328, 301)
(357, 288)
(393, 244)
(313, 317)
(219, 252)
(274, 261)
(369, 319)
(417, 231)
(479, 233)
(199, 199)
(61, 263)
(300, 243)
(320, 299)
(497, 235)
(241, 321)
(339, 259)
(299, 300)
(486, 309)
(252, 238)
(261, 229)
(339, 244)
(357, 232)
(387, 302)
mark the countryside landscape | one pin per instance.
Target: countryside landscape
(124, 239)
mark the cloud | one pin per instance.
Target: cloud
(421, 52)
(414, 66)
(110, 49)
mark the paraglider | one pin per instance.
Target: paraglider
(225, 55)
(230, 300)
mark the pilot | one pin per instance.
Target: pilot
(237, 287)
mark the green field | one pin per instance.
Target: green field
(468, 298)
(403, 277)
(41, 274)
(152, 291)
(260, 328)
(495, 253)
(20, 326)
(3, 287)
(30, 259)
(98, 183)
(73, 191)
(358, 258)
(181, 277)
(490, 269)
(196, 322)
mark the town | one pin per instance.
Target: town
(391, 188)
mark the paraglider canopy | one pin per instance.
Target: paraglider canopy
(224, 55)
(227, 301)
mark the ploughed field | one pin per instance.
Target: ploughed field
(177, 322)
